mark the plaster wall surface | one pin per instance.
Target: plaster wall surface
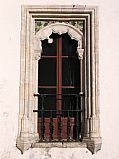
(10, 24)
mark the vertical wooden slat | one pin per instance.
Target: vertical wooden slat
(59, 86)
(59, 73)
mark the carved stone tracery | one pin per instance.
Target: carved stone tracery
(59, 28)
(41, 24)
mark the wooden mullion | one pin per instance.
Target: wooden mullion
(46, 86)
(59, 72)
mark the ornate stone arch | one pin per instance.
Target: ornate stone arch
(59, 28)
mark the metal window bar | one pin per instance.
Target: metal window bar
(51, 126)
(42, 120)
(60, 114)
(68, 127)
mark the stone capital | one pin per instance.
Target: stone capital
(80, 53)
(37, 54)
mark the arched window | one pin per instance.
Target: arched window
(59, 78)
(59, 108)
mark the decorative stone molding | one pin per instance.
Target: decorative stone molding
(94, 145)
(59, 28)
(60, 19)
(41, 24)
(80, 53)
(37, 48)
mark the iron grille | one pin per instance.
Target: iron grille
(60, 125)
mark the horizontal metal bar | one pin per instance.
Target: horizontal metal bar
(79, 110)
(46, 87)
(80, 94)
(58, 56)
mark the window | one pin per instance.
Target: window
(59, 90)
(59, 77)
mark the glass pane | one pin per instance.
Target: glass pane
(69, 46)
(70, 72)
(70, 100)
(70, 90)
(50, 49)
(47, 72)
(47, 101)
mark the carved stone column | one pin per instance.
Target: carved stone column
(94, 128)
(80, 53)
(37, 56)
(24, 138)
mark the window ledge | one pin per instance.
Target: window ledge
(59, 145)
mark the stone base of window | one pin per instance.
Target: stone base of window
(59, 145)
(93, 144)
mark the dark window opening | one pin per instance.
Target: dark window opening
(59, 112)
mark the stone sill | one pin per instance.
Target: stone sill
(59, 145)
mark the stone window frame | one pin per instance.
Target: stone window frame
(30, 54)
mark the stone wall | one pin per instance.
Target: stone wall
(10, 25)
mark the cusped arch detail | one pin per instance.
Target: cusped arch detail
(59, 28)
